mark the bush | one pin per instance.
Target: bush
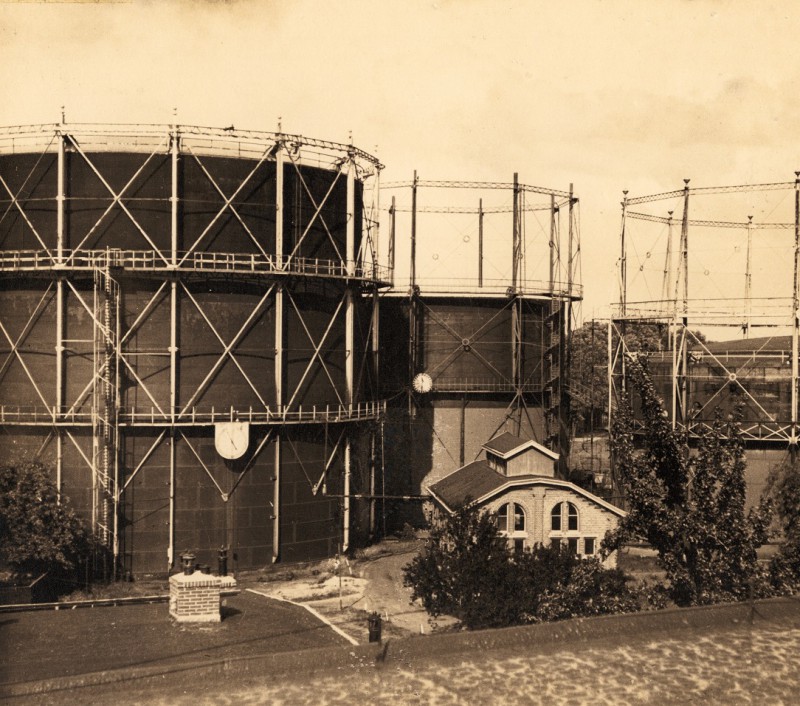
(468, 571)
(783, 490)
(37, 533)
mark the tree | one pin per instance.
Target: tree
(468, 571)
(783, 491)
(589, 363)
(37, 533)
(690, 509)
(464, 571)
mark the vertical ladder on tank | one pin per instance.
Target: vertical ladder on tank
(105, 409)
(552, 390)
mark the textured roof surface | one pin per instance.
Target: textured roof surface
(473, 480)
(504, 443)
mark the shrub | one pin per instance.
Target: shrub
(468, 571)
(37, 533)
(783, 490)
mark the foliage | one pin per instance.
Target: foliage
(464, 571)
(37, 533)
(589, 362)
(590, 590)
(691, 510)
(468, 571)
(783, 491)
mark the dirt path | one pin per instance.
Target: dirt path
(386, 594)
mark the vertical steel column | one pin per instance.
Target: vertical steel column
(372, 488)
(480, 242)
(61, 207)
(413, 270)
(795, 315)
(516, 306)
(463, 430)
(748, 281)
(413, 325)
(390, 262)
(623, 258)
(276, 499)
(667, 278)
(685, 306)
(552, 244)
(349, 369)
(346, 496)
(279, 352)
(173, 336)
(564, 352)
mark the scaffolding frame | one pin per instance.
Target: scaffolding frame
(561, 292)
(678, 309)
(98, 409)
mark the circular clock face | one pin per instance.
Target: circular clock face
(423, 382)
(231, 439)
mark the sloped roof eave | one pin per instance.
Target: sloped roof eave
(522, 481)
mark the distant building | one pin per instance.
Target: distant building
(516, 482)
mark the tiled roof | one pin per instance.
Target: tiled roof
(471, 481)
(504, 443)
(507, 446)
(479, 482)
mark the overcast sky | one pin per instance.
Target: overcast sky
(605, 95)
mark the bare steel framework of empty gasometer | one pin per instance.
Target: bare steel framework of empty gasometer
(190, 333)
(714, 263)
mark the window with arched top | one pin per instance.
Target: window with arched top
(511, 523)
(564, 517)
(511, 518)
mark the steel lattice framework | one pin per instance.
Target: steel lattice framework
(491, 338)
(696, 376)
(130, 280)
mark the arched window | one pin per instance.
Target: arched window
(511, 518)
(572, 518)
(564, 517)
(555, 518)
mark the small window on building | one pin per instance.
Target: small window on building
(519, 546)
(588, 546)
(555, 542)
(572, 543)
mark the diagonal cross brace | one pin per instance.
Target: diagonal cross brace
(229, 203)
(15, 202)
(267, 154)
(117, 199)
(317, 349)
(228, 347)
(318, 211)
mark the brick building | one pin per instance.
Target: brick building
(516, 482)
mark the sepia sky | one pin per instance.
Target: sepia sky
(607, 95)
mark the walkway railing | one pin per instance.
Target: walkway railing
(204, 262)
(137, 416)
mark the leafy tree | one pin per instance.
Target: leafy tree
(37, 533)
(589, 363)
(468, 571)
(783, 491)
(464, 571)
(690, 509)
